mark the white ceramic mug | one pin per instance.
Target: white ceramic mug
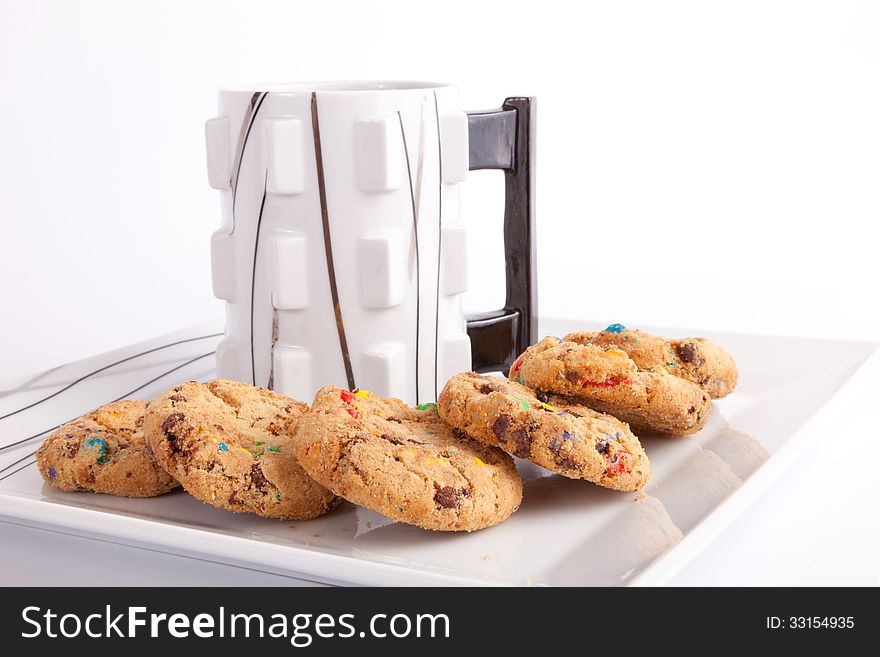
(342, 256)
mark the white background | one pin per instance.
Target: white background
(706, 165)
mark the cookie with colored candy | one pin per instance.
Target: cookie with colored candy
(573, 440)
(229, 445)
(694, 359)
(607, 380)
(104, 452)
(405, 463)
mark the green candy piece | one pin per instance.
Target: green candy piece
(523, 404)
(274, 448)
(426, 407)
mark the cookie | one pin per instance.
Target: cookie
(103, 451)
(694, 359)
(571, 440)
(607, 380)
(405, 463)
(229, 445)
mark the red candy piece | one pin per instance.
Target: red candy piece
(624, 465)
(353, 412)
(516, 365)
(347, 397)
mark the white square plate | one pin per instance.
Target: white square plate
(566, 532)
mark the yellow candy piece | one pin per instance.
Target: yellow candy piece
(617, 352)
(547, 407)
(479, 461)
(363, 394)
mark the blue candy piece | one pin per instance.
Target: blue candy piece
(602, 446)
(223, 447)
(99, 443)
(566, 435)
(615, 328)
(52, 473)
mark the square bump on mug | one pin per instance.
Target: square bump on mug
(384, 369)
(217, 152)
(227, 359)
(454, 272)
(223, 265)
(454, 147)
(452, 351)
(382, 263)
(289, 271)
(378, 152)
(286, 159)
(292, 372)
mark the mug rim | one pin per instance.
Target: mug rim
(336, 86)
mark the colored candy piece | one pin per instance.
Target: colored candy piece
(52, 473)
(363, 394)
(223, 447)
(426, 406)
(523, 404)
(346, 396)
(353, 412)
(621, 462)
(479, 461)
(274, 448)
(617, 352)
(258, 443)
(615, 328)
(99, 443)
(548, 407)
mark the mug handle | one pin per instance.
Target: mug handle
(505, 139)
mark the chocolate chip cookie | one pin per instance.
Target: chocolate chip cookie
(606, 379)
(694, 359)
(572, 440)
(103, 451)
(229, 445)
(405, 463)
